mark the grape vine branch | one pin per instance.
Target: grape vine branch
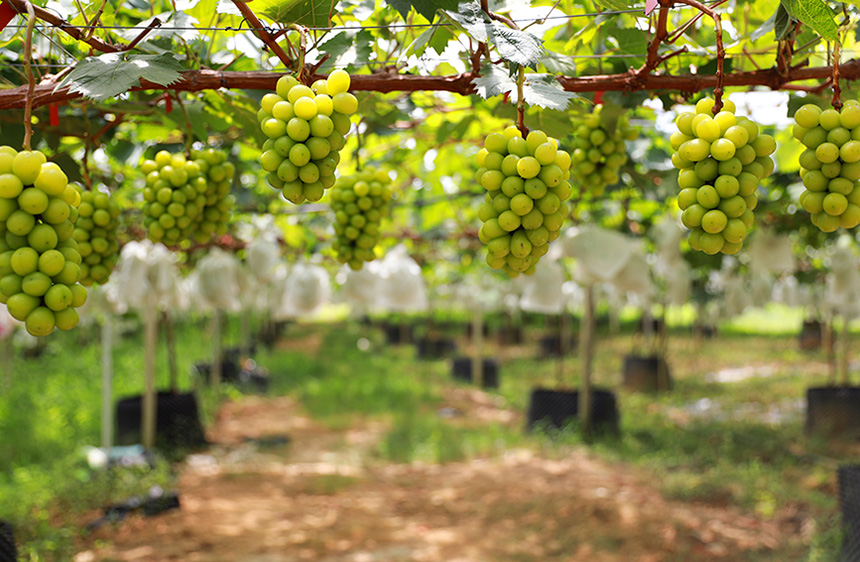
(647, 77)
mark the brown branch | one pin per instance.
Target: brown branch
(197, 80)
(503, 19)
(836, 102)
(152, 25)
(660, 35)
(21, 7)
(262, 33)
(721, 51)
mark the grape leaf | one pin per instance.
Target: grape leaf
(173, 24)
(518, 47)
(768, 25)
(814, 13)
(559, 64)
(493, 82)
(543, 90)
(613, 4)
(311, 13)
(109, 75)
(426, 8)
(471, 19)
(783, 24)
(439, 41)
(436, 37)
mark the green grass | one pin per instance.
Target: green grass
(49, 409)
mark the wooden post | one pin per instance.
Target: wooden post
(246, 332)
(586, 347)
(478, 345)
(844, 375)
(150, 398)
(107, 383)
(170, 340)
(215, 371)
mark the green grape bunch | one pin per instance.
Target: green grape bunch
(360, 203)
(830, 165)
(174, 197)
(216, 212)
(599, 151)
(721, 160)
(306, 127)
(40, 262)
(527, 188)
(96, 234)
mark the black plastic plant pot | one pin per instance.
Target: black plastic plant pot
(510, 335)
(648, 373)
(704, 331)
(254, 380)
(398, 334)
(833, 412)
(810, 335)
(434, 348)
(461, 369)
(8, 551)
(848, 477)
(559, 408)
(654, 324)
(229, 370)
(485, 330)
(550, 346)
(177, 421)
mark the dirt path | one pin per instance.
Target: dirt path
(317, 498)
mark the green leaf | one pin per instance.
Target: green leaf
(559, 64)
(347, 48)
(767, 26)
(426, 8)
(518, 47)
(471, 19)
(109, 75)
(173, 24)
(436, 37)
(439, 41)
(543, 90)
(814, 13)
(311, 13)
(493, 82)
(783, 24)
(613, 4)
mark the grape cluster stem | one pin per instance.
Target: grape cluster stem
(836, 102)
(31, 81)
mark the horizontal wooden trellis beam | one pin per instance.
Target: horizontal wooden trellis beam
(197, 80)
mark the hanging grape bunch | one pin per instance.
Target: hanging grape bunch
(527, 185)
(599, 151)
(830, 165)
(171, 202)
(359, 202)
(217, 204)
(39, 259)
(721, 161)
(96, 235)
(306, 128)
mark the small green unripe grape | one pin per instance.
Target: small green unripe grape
(711, 243)
(707, 197)
(829, 119)
(722, 149)
(692, 215)
(807, 116)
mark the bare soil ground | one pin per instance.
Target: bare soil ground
(322, 497)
